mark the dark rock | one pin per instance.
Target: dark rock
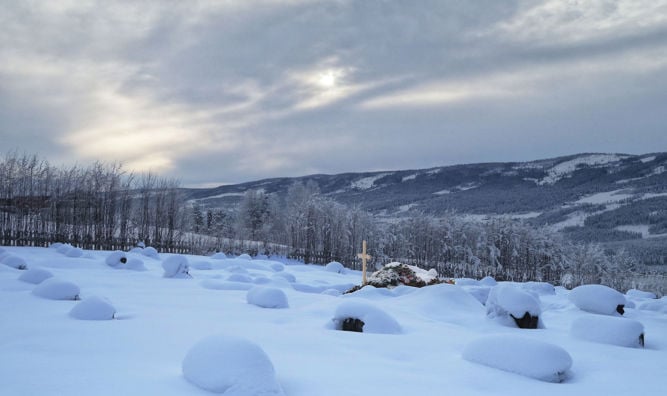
(527, 321)
(619, 309)
(641, 339)
(353, 324)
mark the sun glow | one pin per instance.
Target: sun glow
(327, 79)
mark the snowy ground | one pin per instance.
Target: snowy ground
(45, 351)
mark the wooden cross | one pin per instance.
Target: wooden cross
(363, 256)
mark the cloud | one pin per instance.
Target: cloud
(238, 90)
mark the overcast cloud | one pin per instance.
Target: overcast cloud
(219, 92)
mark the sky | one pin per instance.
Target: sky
(219, 92)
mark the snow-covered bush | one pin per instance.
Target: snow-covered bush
(232, 366)
(267, 297)
(285, 276)
(35, 276)
(523, 356)
(244, 256)
(394, 274)
(239, 278)
(93, 308)
(64, 248)
(598, 299)
(609, 330)
(512, 306)
(363, 317)
(488, 281)
(150, 252)
(56, 289)
(135, 264)
(15, 262)
(74, 252)
(639, 294)
(176, 266)
(116, 259)
(335, 266)
(219, 256)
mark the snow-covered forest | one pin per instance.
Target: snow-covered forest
(101, 206)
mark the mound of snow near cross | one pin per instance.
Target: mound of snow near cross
(427, 341)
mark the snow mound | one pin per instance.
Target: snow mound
(514, 307)
(35, 276)
(481, 293)
(93, 308)
(488, 281)
(523, 356)
(150, 252)
(15, 262)
(135, 264)
(231, 366)
(176, 267)
(137, 250)
(332, 292)
(609, 330)
(219, 256)
(202, 265)
(466, 282)
(285, 276)
(634, 293)
(373, 319)
(239, 278)
(277, 267)
(56, 289)
(74, 252)
(244, 256)
(539, 288)
(64, 248)
(598, 299)
(267, 297)
(116, 259)
(335, 266)
(54, 245)
(654, 305)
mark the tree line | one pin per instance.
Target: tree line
(101, 206)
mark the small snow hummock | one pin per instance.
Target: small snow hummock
(523, 356)
(335, 266)
(244, 256)
(150, 252)
(176, 266)
(634, 293)
(74, 252)
(56, 289)
(267, 297)
(239, 278)
(35, 276)
(514, 307)
(365, 318)
(231, 366)
(93, 308)
(609, 330)
(284, 276)
(116, 259)
(654, 305)
(598, 299)
(15, 262)
(201, 265)
(488, 281)
(219, 256)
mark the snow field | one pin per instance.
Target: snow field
(159, 320)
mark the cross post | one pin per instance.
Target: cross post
(363, 256)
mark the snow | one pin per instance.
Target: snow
(647, 159)
(442, 192)
(640, 228)
(410, 177)
(150, 252)
(15, 262)
(231, 366)
(267, 297)
(116, 259)
(367, 182)
(56, 289)
(506, 301)
(35, 276)
(566, 168)
(523, 356)
(74, 252)
(219, 256)
(597, 299)
(158, 320)
(639, 294)
(609, 330)
(605, 197)
(244, 256)
(93, 308)
(335, 266)
(375, 319)
(176, 266)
